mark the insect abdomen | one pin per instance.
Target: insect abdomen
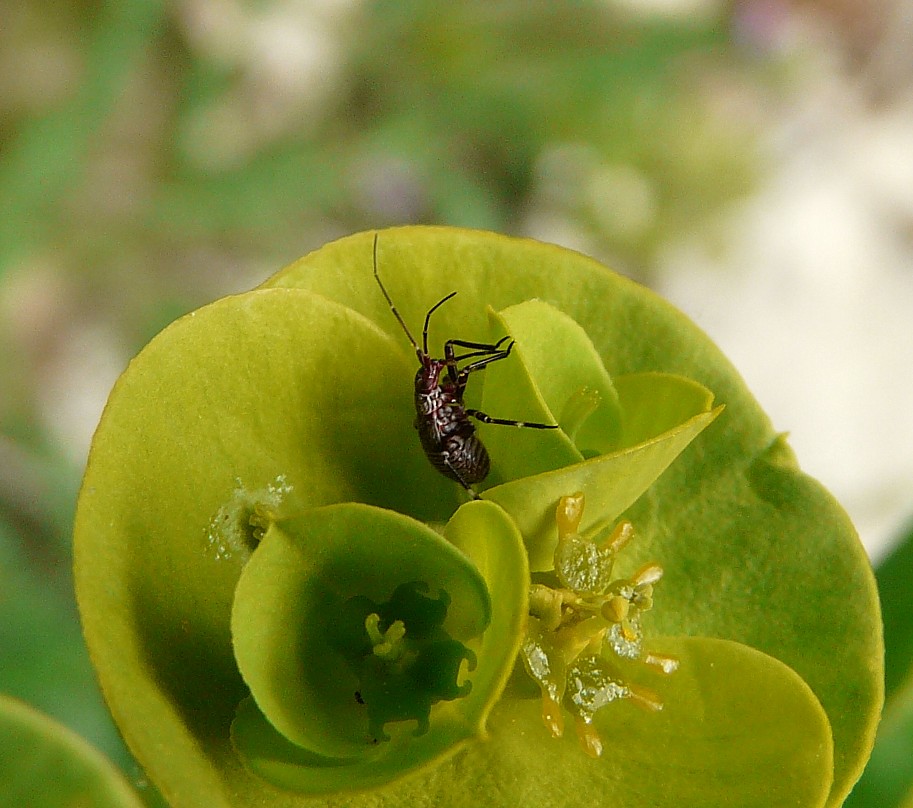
(461, 458)
(449, 439)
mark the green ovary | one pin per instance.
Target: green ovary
(404, 660)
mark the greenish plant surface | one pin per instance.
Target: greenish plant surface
(45, 765)
(256, 494)
(888, 779)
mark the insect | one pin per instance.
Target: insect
(447, 435)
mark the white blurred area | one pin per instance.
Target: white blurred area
(807, 285)
(811, 293)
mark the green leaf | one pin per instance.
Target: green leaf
(299, 395)
(224, 413)
(484, 533)
(45, 765)
(731, 717)
(657, 403)
(818, 608)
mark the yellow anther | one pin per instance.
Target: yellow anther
(667, 664)
(588, 737)
(545, 604)
(645, 697)
(571, 640)
(619, 537)
(372, 626)
(553, 716)
(648, 574)
(568, 514)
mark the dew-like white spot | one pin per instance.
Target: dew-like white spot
(627, 644)
(228, 534)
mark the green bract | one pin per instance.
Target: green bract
(297, 627)
(287, 605)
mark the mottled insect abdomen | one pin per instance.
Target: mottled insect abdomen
(447, 435)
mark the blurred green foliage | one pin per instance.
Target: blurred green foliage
(45, 765)
(895, 574)
(888, 780)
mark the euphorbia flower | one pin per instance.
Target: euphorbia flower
(287, 605)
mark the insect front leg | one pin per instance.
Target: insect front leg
(480, 348)
(490, 352)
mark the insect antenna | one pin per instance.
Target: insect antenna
(396, 314)
(424, 349)
(431, 311)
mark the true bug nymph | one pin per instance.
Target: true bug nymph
(447, 435)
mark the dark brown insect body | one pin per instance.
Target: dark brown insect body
(447, 435)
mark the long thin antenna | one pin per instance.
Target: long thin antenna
(431, 311)
(396, 314)
(423, 351)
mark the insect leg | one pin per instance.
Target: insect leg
(489, 352)
(487, 419)
(485, 347)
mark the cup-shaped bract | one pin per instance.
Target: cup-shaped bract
(318, 683)
(234, 441)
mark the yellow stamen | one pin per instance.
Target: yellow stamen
(588, 737)
(568, 514)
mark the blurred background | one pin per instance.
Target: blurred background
(752, 161)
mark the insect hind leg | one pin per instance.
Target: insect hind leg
(487, 419)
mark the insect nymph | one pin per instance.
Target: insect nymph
(441, 418)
